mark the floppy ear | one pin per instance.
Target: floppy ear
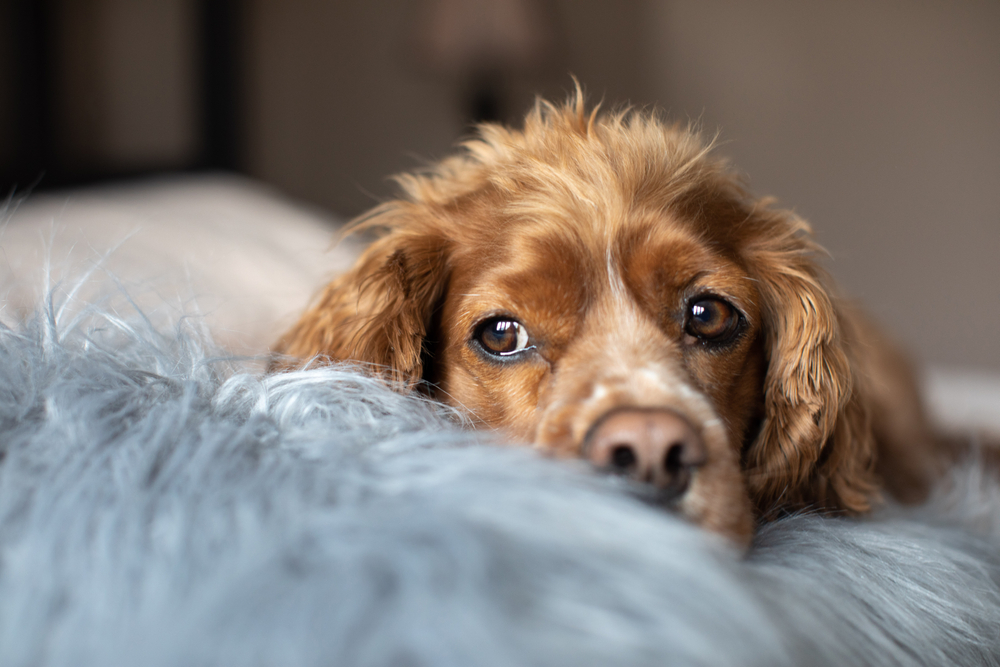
(379, 312)
(815, 449)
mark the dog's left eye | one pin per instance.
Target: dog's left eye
(502, 336)
(712, 320)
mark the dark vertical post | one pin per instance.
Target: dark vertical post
(221, 38)
(34, 130)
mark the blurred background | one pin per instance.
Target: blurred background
(877, 120)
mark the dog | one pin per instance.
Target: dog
(602, 286)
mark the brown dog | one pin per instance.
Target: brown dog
(601, 286)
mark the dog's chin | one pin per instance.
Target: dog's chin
(732, 520)
(666, 499)
(712, 496)
(722, 507)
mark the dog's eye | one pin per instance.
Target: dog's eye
(502, 336)
(712, 320)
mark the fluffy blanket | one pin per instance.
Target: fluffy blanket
(163, 506)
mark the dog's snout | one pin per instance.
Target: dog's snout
(655, 446)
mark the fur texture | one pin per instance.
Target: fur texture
(595, 236)
(159, 506)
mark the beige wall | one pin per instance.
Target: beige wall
(150, 49)
(127, 89)
(879, 121)
(333, 107)
(337, 101)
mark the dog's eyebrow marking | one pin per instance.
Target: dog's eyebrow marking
(693, 280)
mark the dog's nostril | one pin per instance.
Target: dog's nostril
(673, 460)
(623, 458)
(677, 473)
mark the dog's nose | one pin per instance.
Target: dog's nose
(655, 446)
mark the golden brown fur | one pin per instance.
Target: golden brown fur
(595, 233)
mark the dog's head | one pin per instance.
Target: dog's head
(602, 287)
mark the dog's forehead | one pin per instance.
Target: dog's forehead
(559, 264)
(594, 203)
(584, 243)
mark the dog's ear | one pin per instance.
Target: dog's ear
(815, 448)
(379, 312)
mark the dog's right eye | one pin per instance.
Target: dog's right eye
(502, 336)
(712, 320)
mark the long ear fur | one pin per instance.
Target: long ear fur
(815, 449)
(379, 312)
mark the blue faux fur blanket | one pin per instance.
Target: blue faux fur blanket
(162, 507)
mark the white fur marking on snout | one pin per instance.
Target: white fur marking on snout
(599, 392)
(665, 383)
(650, 376)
